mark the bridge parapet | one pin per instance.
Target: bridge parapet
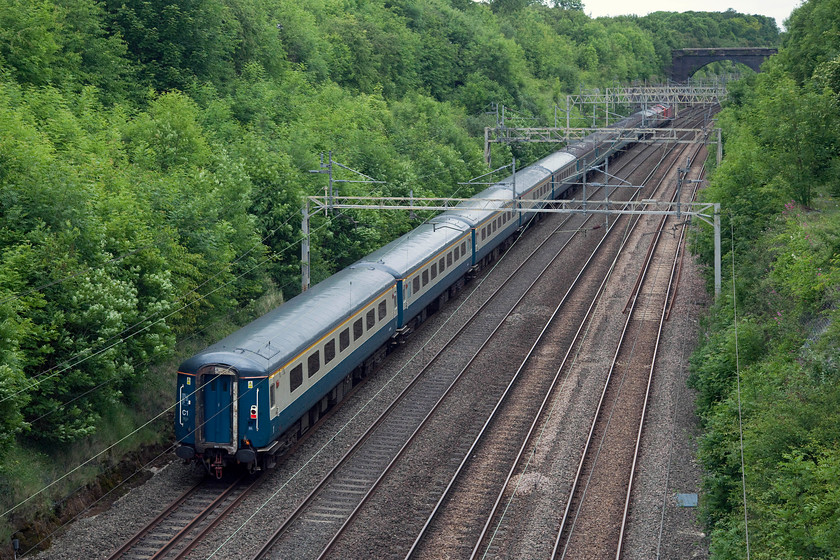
(685, 62)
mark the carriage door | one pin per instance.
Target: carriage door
(218, 406)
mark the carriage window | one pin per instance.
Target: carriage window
(457, 253)
(494, 225)
(295, 377)
(416, 284)
(271, 395)
(483, 233)
(313, 363)
(449, 258)
(357, 329)
(383, 310)
(329, 351)
(464, 248)
(344, 340)
(441, 265)
(434, 271)
(425, 277)
(371, 318)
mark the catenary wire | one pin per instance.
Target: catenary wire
(156, 417)
(294, 475)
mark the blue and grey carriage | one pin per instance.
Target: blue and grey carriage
(252, 394)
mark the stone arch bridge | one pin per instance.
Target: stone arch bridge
(684, 62)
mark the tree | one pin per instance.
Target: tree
(568, 4)
(178, 43)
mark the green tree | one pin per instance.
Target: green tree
(178, 43)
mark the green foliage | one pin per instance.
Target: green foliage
(813, 38)
(154, 156)
(62, 42)
(776, 187)
(177, 43)
(712, 29)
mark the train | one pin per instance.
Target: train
(245, 399)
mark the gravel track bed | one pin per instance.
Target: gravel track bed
(96, 536)
(413, 487)
(605, 479)
(530, 523)
(407, 496)
(658, 526)
(533, 514)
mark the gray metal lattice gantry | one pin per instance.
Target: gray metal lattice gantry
(625, 98)
(709, 212)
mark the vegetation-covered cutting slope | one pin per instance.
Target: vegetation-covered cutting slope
(779, 185)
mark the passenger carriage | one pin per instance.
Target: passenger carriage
(249, 396)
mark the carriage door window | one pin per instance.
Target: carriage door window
(271, 392)
(314, 363)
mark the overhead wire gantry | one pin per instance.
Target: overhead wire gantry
(612, 99)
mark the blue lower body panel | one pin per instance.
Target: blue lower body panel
(300, 406)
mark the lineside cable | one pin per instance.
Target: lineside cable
(156, 417)
(179, 298)
(294, 475)
(738, 379)
(45, 375)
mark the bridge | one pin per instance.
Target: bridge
(684, 62)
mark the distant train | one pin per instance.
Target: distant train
(252, 394)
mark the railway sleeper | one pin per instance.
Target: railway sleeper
(268, 458)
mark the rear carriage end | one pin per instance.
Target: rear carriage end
(251, 395)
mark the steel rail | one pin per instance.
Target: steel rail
(361, 440)
(494, 511)
(646, 399)
(298, 511)
(498, 405)
(670, 295)
(222, 515)
(442, 398)
(158, 521)
(599, 410)
(155, 522)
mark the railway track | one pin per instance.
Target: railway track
(185, 521)
(596, 513)
(376, 453)
(474, 497)
(178, 529)
(341, 498)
